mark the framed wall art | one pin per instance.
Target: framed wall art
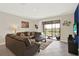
(24, 24)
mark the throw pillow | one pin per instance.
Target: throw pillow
(22, 35)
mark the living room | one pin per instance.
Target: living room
(26, 19)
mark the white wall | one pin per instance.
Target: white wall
(6, 22)
(65, 30)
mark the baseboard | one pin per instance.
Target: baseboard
(64, 42)
(2, 43)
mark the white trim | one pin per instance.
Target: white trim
(2, 43)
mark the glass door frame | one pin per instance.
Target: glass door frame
(52, 22)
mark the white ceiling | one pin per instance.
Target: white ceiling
(37, 10)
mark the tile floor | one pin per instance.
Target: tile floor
(56, 48)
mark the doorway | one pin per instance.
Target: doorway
(51, 29)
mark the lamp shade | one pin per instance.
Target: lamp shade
(14, 28)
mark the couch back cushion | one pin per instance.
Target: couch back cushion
(25, 33)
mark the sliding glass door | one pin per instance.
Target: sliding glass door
(52, 30)
(47, 30)
(55, 30)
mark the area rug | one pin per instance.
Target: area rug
(44, 45)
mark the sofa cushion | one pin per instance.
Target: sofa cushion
(25, 33)
(22, 35)
(28, 42)
(18, 33)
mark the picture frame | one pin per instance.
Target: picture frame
(24, 24)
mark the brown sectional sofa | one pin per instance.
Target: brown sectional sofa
(21, 46)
